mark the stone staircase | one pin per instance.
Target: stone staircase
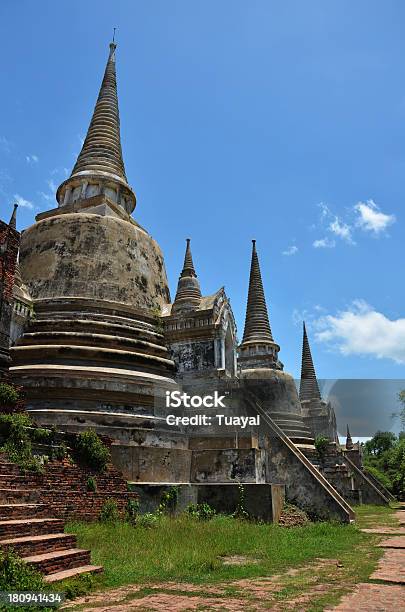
(26, 525)
(337, 473)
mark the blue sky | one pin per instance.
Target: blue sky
(280, 121)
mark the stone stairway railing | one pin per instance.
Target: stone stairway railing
(340, 502)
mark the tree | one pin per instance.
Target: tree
(381, 442)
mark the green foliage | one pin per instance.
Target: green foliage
(148, 520)
(321, 445)
(109, 512)
(380, 476)
(241, 512)
(132, 511)
(14, 429)
(202, 512)
(384, 457)
(15, 575)
(42, 436)
(9, 397)
(80, 585)
(184, 549)
(60, 452)
(90, 450)
(380, 443)
(168, 500)
(91, 485)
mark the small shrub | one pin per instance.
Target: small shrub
(148, 520)
(202, 512)
(168, 500)
(9, 397)
(321, 445)
(132, 511)
(60, 452)
(109, 512)
(74, 587)
(91, 485)
(17, 442)
(380, 476)
(42, 436)
(91, 451)
(15, 575)
(241, 512)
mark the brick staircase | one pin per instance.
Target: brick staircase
(27, 526)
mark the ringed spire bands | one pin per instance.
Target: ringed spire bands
(258, 348)
(257, 325)
(188, 295)
(99, 169)
(309, 389)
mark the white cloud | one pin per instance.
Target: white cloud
(342, 230)
(324, 243)
(361, 330)
(51, 185)
(81, 139)
(32, 158)
(47, 196)
(371, 219)
(23, 202)
(291, 250)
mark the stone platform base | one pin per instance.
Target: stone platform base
(262, 501)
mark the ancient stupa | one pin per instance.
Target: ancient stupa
(261, 369)
(318, 414)
(93, 354)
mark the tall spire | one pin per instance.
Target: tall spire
(101, 150)
(13, 219)
(258, 349)
(257, 326)
(309, 389)
(188, 293)
(100, 162)
(349, 441)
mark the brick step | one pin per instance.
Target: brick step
(57, 561)
(31, 526)
(71, 573)
(6, 467)
(17, 511)
(12, 495)
(28, 481)
(40, 544)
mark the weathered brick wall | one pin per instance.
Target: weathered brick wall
(9, 244)
(64, 487)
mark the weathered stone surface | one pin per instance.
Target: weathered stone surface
(93, 256)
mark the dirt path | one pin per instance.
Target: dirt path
(296, 589)
(388, 591)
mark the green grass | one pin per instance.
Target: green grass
(184, 549)
(368, 515)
